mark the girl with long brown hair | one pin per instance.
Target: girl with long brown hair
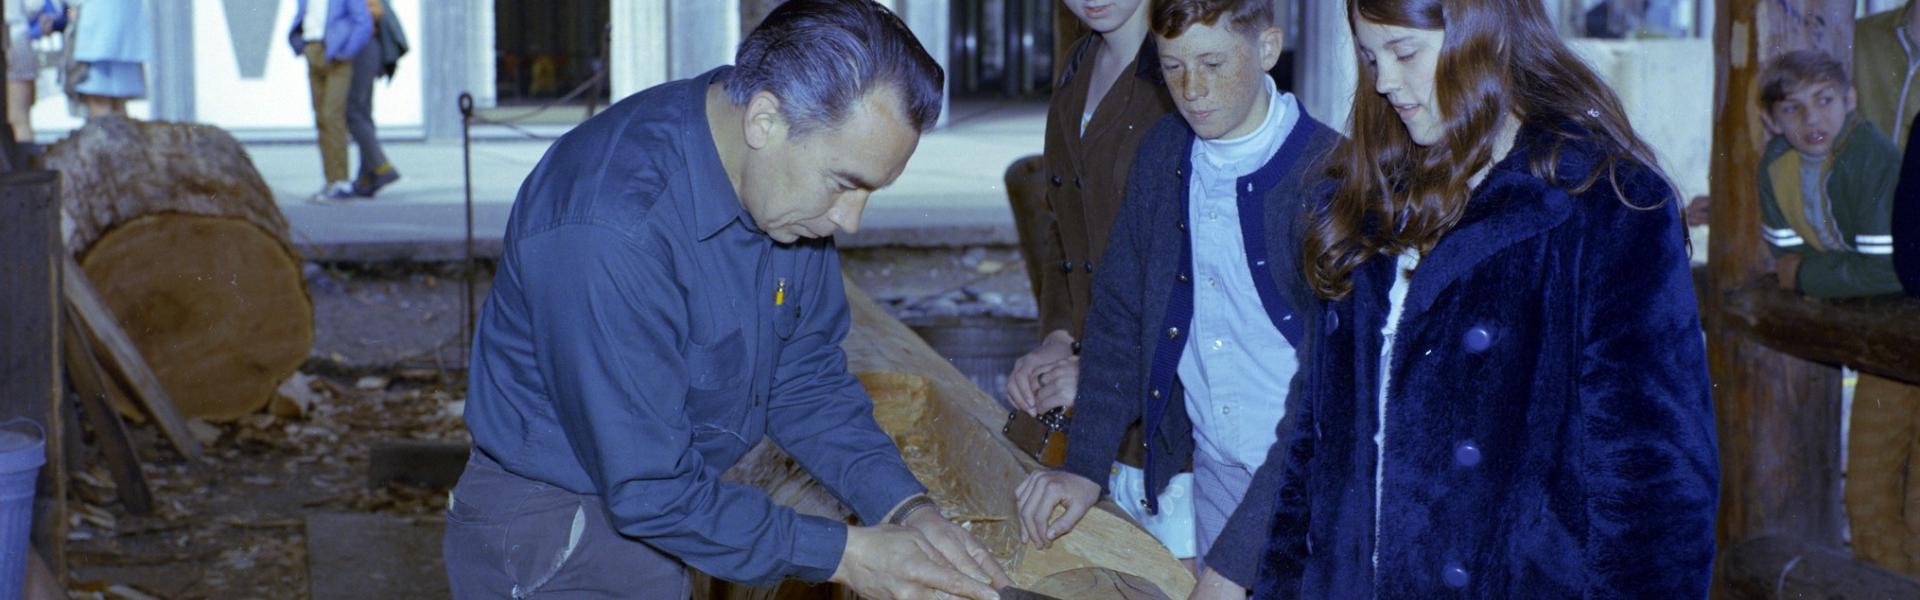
(1506, 394)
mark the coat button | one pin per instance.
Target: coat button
(1183, 278)
(1466, 454)
(1173, 332)
(1055, 181)
(1076, 183)
(1182, 224)
(1155, 393)
(1066, 266)
(1178, 172)
(1478, 339)
(1455, 576)
(1088, 265)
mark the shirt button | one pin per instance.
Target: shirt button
(1143, 503)
(1455, 575)
(1218, 344)
(1173, 332)
(1467, 454)
(1226, 410)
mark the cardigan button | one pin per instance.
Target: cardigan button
(1466, 454)
(1055, 181)
(1173, 332)
(1333, 321)
(1478, 339)
(1182, 224)
(1066, 266)
(1155, 393)
(1183, 278)
(1455, 575)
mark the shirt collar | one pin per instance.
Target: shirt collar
(715, 205)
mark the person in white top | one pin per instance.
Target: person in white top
(1198, 303)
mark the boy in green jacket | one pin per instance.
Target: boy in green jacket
(1827, 184)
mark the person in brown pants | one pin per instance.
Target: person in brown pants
(329, 33)
(1883, 491)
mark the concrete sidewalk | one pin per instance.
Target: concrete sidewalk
(949, 195)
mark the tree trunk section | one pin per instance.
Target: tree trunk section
(177, 230)
(1778, 416)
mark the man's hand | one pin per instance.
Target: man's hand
(891, 561)
(1788, 268)
(1023, 384)
(957, 546)
(1059, 384)
(1212, 585)
(1041, 493)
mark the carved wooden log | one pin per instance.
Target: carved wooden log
(182, 237)
(947, 429)
(1772, 568)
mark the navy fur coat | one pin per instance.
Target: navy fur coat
(1549, 431)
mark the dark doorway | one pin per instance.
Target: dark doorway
(549, 50)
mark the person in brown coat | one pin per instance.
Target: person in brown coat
(1108, 96)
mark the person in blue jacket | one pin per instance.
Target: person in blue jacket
(330, 33)
(1506, 395)
(669, 295)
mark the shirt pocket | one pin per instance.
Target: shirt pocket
(717, 393)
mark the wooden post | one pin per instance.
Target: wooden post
(30, 263)
(1778, 416)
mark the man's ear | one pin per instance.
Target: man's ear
(765, 126)
(1272, 40)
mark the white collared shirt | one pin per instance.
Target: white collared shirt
(1236, 365)
(313, 24)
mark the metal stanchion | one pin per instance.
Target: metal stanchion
(466, 167)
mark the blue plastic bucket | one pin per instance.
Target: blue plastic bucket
(22, 450)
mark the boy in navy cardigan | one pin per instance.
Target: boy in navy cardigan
(1198, 304)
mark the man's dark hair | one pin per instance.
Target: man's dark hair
(819, 57)
(1789, 72)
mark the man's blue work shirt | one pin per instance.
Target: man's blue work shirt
(642, 334)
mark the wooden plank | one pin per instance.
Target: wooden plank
(1777, 416)
(30, 348)
(124, 359)
(89, 380)
(1876, 335)
(1782, 567)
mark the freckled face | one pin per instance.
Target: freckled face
(1214, 75)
